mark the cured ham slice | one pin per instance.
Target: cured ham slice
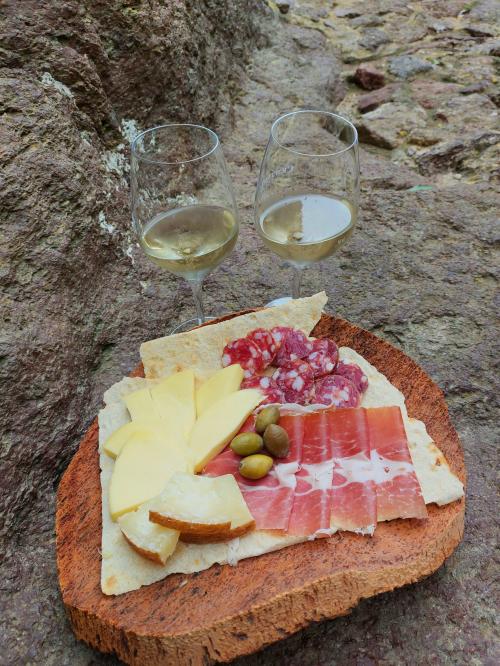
(269, 499)
(398, 491)
(311, 505)
(354, 499)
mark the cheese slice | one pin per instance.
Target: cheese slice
(219, 424)
(203, 509)
(152, 541)
(141, 471)
(222, 383)
(137, 429)
(141, 406)
(178, 417)
(180, 385)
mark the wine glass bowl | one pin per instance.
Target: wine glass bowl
(307, 197)
(183, 207)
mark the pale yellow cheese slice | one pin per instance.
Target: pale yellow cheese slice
(177, 416)
(141, 471)
(152, 541)
(141, 406)
(180, 385)
(137, 429)
(219, 423)
(222, 383)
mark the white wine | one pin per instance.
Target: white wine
(305, 228)
(190, 241)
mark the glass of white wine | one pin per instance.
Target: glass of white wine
(183, 206)
(306, 204)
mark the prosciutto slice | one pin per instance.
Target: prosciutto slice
(311, 505)
(398, 491)
(354, 498)
(269, 499)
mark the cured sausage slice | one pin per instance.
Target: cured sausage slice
(267, 386)
(293, 345)
(296, 380)
(265, 342)
(323, 357)
(246, 353)
(337, 391)
(354, 373)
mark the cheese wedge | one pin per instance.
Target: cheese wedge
(152, 541)
(222, 383)
(117, 440)
(219, 423)
(204, 509)
(141, 406)
(141, 471)
(234, 506)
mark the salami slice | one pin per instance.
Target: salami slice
(265, 342)
(292, 345)
(337, 391)
(246, 353)
(267, 386)
(354, 373)
(324, 356)
(296, 380)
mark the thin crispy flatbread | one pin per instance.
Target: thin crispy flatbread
(124, 570)
(201, 349)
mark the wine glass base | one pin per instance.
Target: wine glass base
(278, 301)
(189, 325)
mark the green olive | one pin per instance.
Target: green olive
(247, 443)
(256, 466)
(276, 441)
(266, 417)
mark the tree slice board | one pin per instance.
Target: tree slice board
(226, 612)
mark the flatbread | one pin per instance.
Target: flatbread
(124, 570)
(201, 349)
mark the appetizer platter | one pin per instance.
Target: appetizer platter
(256, 474)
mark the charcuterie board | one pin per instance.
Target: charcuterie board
(225, 612)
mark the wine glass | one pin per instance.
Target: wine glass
(306, 202)
(183, 207)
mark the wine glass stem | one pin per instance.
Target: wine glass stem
(196, 288)
(297, 277)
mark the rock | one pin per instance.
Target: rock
(421, 136)
(477, 87)
(315, 14)
(367, 20)
(308, 39)
(368, 77)
(486, 10)
(389, 124)
(447, 156)
(406, 66)
(373, 38)
(430, 94)
(349, 12)
(374, 99)
(466, 111)
(480, 30)
(284, 5)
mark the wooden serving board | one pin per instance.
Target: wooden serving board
(226, 612)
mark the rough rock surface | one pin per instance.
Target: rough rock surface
(78, 297)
